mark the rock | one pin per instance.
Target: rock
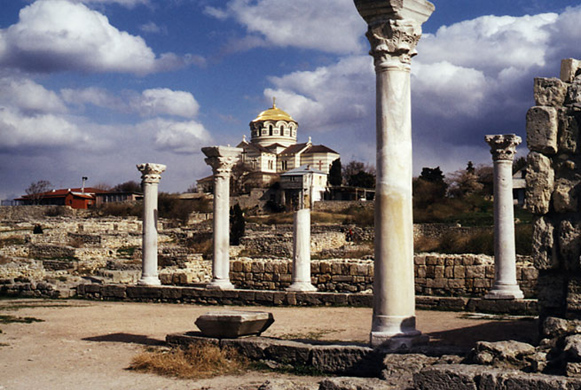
(234, 323)
(569, 69)
(544, 248)
(346, 383)
(549, 92)
(540, 179)
(283, 384)
(573, 370)
(569, 137)
(542, 129)
(554, 327)
(565, 196)
(400, 368)
(572, 348)
(569, 248)
(506, 354)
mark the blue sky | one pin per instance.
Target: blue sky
(94, 87)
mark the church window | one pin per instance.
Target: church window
(270, 129)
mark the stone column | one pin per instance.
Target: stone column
(150, 177)
(503, 148)
(221, 159)
(394, 29)
(302, 246)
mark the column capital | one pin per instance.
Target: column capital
(151, 173)
(503, 146)
(394, 29)
(221, 159)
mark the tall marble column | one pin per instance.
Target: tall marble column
(394, 29)
(503, 149)
(150, 177)
(221, 159)
(301, 275)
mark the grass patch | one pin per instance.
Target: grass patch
(7, 319)
(195, 362)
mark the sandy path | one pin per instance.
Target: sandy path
(89, 345)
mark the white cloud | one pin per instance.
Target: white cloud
(125, 3)
(28, 96)
(57, 35)
(327, 96)
(332, 26)
(46, 130)
(447, 90)
(175, 136)
(164, 101)
(96, 96)
(491, 43)
(153, 28)
(149, 103)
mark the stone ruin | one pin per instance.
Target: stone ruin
(553, 186)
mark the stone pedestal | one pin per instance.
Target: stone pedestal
(393, 32)
(151, 175)
(221, 159)
(503, 148)
(302, 252)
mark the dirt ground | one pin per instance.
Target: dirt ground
(89, 345)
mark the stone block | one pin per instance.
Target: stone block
(569, 234)
(544, 245)
(439, 272)
(289, 352)
(236, 266)
(569, 69)
(540, 179)
(233, 323)
(475, 272)
(569, 133)
(459, 272)
(352, 360)
(325, 267)
(447, 377)
(566, 196)
(257, 267)
(551, 291)
(549, 92)
(542, 129)
(421, 271)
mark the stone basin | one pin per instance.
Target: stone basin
(234, 323)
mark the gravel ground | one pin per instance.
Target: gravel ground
(89, 344)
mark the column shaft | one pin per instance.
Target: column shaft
(151, 174)
(221, 261)
(394, 291)
(221, 159)
(302, 252)
(505, 283)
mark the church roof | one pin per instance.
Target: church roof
(258, 147)
(319, 149)
(302, 170)
(294, 148)
(273, 114)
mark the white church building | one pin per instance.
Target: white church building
(273, 147)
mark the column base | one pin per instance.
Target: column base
(301, 286)
(505, 292)
(149, 281)
(220, 284)
(389, 342)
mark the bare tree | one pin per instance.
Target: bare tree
(37, 190)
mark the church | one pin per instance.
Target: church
(273, 148)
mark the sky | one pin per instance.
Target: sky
(91, 88)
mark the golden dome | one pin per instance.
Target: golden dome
(273, 114)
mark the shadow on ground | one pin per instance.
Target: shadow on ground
(125, 338)
(525, 330)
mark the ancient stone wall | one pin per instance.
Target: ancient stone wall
(435, 275)
(553, 187)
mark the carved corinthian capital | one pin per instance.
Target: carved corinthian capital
(503, 147)
(221, 159)
(394, 29)
(151, 173)
(393, 43)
